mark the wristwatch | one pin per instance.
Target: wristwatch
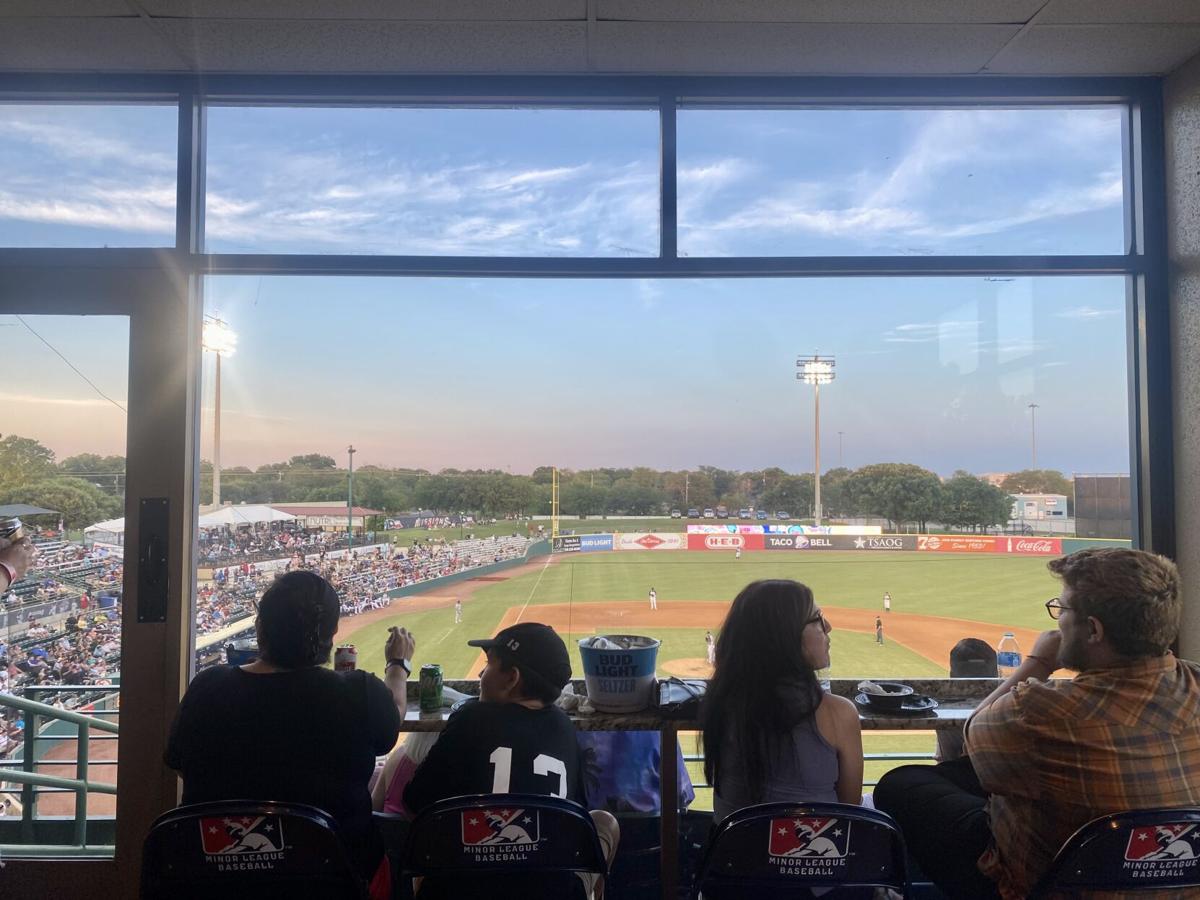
(399, 662)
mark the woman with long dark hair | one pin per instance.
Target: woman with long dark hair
(284, 727)
(770, 732)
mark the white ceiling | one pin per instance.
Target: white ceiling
(804, 37)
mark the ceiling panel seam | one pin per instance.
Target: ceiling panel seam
(163, 37)
(1020, 31)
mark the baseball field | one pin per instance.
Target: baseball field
(937, 599)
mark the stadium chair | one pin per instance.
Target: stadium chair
(394, 828)
(503, 847)
(1143, 850)
(246, 849)
(789, 851)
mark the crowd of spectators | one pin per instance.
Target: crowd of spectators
(221, 545)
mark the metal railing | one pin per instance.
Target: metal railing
(34, 783)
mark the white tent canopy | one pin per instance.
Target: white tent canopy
(248, 514)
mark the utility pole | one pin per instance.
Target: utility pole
(686, 478)
(350, 500)
(1033, 408)
(840, 449)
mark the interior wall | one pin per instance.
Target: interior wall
(1182, 123)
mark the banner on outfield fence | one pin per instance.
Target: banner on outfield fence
(785, 529)
(725, 541)
(956, 543)
(567, 544)
(659, 540)
(1030, 546)
(798, 542)
(593, 543)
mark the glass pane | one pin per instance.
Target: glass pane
(87, 176)
(62, 473)
(900, 182)
(500, 182)
(696, 411)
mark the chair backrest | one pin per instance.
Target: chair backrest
(1143, 850)
(502, 844)
(246, 848)
(785, 849)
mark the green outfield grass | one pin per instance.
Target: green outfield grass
(998, 590)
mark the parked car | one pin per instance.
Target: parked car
(722, 512)
(743, 513)
(693, 513)
(709, 514)
(676, 514)
(761, 515)
(783, 515)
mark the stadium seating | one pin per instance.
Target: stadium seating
(246, 849)
(786, 850)
(1146, 850)
(503, 847)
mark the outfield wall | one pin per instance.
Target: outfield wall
(725, 540)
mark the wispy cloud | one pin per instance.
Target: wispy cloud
(1087, 313)
(928, 332)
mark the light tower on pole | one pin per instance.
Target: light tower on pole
(350, 451)
(219, 339)
(816, 370)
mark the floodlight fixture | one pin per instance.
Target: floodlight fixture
(816, 370)
(218, 337)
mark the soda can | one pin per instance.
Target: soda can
(345, 658)
(430, 688)
(12, 530)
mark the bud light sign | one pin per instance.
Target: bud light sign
(592, 543)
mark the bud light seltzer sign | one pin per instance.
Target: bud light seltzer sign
(242, 843)
(812, 846)
(500, 835)
(1162, 851)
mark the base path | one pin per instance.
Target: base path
(932, 637)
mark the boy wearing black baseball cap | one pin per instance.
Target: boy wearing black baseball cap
(515, 740)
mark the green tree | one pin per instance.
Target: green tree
(105, 472)
(970, 502)
(1037, 481)
(312, 461)
(789, 493)
(79, 502)
(24, 461)
(900, 492)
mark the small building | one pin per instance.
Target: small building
(328, 515)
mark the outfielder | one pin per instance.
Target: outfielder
(653, 599)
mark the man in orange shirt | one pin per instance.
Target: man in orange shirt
(1045, 757)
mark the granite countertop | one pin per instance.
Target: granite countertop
(956, 698)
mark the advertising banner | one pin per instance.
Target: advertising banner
(567, 544)
(784, 529)
(725, 541)
(1027, 546)
(957, 543)
(875, 542)
(798, 542)
(591, 543)
(663, 540)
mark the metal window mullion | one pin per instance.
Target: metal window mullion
(189, 170)
(668, 218)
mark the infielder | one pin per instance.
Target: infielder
(887, 602)
(653, 599)
(457, 611)
(711, 646)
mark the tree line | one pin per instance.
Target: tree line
(88, 487)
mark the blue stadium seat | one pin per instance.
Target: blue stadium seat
(786, 850)
(246, 849)
(1144, 850)
(503, 846)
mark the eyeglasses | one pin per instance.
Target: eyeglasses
(819, 618)
(1055, 608)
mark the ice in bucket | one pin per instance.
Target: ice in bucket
(618, 670)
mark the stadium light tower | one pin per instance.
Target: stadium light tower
(816, 370)
(1033, 408)
(350, 451)
(218, 338)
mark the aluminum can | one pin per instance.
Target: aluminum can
(430, 688)
(345, 658)
(12, 530)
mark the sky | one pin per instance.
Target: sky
(515, 373)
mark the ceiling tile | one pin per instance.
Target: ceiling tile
(832, 11)
(373, 10)
(327, 46)
(702, 48)
(1098, 50)
(1099, 12)
(74, 45)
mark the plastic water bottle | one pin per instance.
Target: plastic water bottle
(1008, 654)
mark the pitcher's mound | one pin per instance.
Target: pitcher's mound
(688, 667)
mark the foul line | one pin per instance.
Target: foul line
(443, 637)
(535, 587)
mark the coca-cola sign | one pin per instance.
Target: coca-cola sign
(1034, 546)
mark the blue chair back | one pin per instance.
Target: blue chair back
(246, 848)
(784, 850)
(1144, 850)
(502, 845)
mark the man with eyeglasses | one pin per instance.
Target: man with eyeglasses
(1045, 757)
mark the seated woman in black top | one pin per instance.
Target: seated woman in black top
(283, 727)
